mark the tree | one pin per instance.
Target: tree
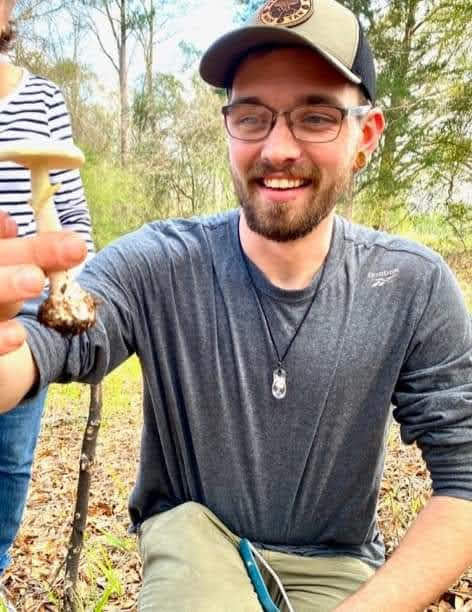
(246, 8)
(422, 51)
(28, 14)
(120, 17)
(184, 157)
(150, 22)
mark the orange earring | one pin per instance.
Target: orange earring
(361, 161)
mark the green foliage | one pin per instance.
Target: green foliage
(191, 54)
(117, 200)
(181, 147)
(423, 55)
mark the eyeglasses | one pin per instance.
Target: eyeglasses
(310, 122)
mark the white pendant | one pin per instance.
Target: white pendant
(279, 383)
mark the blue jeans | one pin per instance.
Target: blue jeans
(19, 431)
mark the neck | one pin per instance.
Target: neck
(10, 76)
(288, 265)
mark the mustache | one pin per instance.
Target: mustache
(262, 169)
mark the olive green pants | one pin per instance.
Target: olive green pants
(191, 563)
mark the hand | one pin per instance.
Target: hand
(24, 263)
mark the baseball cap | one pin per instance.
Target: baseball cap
(325, 26)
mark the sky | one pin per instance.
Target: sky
(207, 20)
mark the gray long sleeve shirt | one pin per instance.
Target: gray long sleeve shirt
(388, 326)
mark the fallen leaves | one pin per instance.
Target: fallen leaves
(110, 569)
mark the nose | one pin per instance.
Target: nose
(280, 146)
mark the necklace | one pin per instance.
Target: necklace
(279, 374)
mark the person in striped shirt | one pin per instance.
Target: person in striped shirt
(31, 107)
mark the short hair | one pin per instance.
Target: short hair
(8, 37)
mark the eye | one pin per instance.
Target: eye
(317, 119)
(249, 120)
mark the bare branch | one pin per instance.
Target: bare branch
(87, 458)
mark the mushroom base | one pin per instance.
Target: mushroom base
(70, 313)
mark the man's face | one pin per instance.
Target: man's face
(318, 173)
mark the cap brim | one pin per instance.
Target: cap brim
(222, 57)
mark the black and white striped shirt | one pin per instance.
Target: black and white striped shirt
(36, 110)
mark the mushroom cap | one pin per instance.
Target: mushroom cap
(49, 154)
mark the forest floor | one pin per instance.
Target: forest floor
(110, 570)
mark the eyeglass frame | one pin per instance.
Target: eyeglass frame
(354, 111)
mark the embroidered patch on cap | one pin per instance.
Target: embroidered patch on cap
(286, 13)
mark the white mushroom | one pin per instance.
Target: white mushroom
(68, 308)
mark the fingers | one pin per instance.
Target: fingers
(8, 227)
(49, 251)
(18, 283)
(12, 336)
(24, 263)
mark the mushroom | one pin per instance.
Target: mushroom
(68, 308)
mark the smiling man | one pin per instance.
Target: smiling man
(274, 340)
(286, 183)
(297, 131)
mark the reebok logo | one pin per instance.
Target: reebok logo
(379, 279)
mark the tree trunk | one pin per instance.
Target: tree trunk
(387, 173)
(124, 103)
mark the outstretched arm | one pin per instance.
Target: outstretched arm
(433, 554)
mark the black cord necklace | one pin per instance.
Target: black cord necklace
(279, 375)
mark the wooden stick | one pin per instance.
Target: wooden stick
(87, 457)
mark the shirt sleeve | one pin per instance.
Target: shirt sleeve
(70, 201)
(433, 396)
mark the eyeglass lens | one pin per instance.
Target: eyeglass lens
(313, 123)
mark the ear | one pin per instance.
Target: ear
(372, 129)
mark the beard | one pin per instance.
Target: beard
(279, 221)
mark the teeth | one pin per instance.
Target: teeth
(283, 183)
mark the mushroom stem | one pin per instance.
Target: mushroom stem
(46, 217)
(42, 201)
(45, 213)
(68, 308)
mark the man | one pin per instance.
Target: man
(272, 341)
(30, 107)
